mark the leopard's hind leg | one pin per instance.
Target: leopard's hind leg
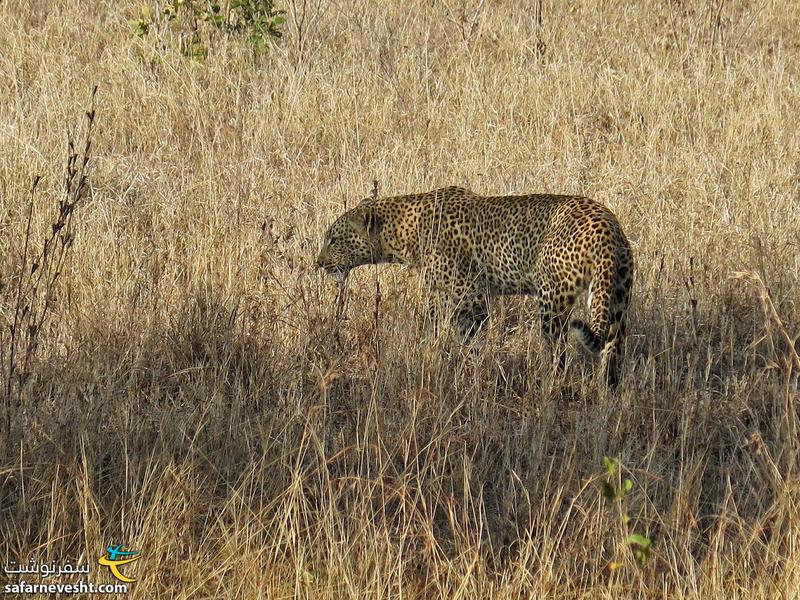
(609, 298)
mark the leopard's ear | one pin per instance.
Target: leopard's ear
(366, 220)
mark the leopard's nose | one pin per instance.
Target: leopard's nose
(323, 259)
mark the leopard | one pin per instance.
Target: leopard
(470, 248)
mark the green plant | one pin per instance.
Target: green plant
(614, 489)
(259, 20)
(194, 24)
(141, 26)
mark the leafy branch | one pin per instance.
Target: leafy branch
(614, 490)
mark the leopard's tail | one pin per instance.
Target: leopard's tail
(609, 294)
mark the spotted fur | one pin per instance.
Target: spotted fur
(470, 248)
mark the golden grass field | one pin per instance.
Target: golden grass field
(191, 393)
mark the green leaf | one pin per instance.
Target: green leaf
(641, 546)
(140, 27)
(627, 486)
(637, 539)
(610, 465)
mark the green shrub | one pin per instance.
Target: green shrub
(193, 25)
(614, 489)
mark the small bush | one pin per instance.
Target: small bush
(193, 25)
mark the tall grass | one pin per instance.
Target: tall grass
(195, 395)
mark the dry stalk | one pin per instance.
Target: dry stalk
(376, 313)
(305, 16)
(39, 274)
(466, 24)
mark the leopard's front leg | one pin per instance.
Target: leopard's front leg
(455, 297)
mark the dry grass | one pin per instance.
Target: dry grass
(192, 395)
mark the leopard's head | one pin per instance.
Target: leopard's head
(351, 241)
